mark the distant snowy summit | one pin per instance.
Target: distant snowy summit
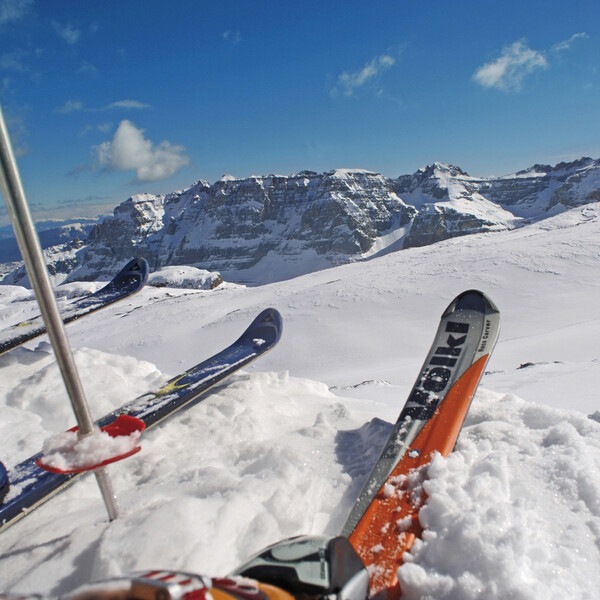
(268, 228)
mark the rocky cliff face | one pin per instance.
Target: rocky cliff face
(234, 224)
(267, 228)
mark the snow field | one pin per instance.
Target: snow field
(284, 448)
(513, 512)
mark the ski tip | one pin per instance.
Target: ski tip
(472, 300)
(267, 328)
(4, 484)
(137, 267)
(271, 318)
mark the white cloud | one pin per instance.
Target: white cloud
(67, 32)
(349, 82)
(87, 67)
(517, 61)
(102, 128)
(14, 61)
(78, 106)
(135, 104)
(233, 37)
(508, 70)
(566, 44)
(70, 106)
(129, 150)
(13, 10)
(15, 122)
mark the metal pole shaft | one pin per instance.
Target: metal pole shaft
(31, 251)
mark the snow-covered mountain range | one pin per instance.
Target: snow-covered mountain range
(50, 233)
(271, 228)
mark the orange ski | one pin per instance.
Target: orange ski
(385, 519)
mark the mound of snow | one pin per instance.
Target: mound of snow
(514, 512)
(78, 289)
(13, 293)
(185, 277)
(31, 388)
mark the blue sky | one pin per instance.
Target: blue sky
(108, 98)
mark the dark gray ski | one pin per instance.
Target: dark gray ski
(128, 281)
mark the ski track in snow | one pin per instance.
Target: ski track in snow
(514, 512)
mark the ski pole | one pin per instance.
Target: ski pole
(29, 245)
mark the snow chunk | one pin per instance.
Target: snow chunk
(66, 453)
(185, 277)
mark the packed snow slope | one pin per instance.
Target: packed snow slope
(284, 447)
